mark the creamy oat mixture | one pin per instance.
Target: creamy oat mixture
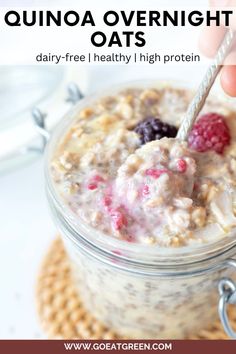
(161, 192)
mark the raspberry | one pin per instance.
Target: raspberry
(210, 132)
(155, 173)
(154, 129)
(92, 186)
(106, 201)
(145, 190)
(118, 219)
(182, 165)
(93, 183)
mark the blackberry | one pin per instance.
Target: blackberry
(152, 128)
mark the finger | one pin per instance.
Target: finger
(210, 39)
(228, 80)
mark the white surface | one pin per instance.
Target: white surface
(20, 131)
(26, 231)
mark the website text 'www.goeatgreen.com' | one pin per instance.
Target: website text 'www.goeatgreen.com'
(107, 346)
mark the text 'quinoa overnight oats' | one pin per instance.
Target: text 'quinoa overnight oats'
(141, 213)
(120, 169)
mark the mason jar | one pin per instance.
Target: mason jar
(143, 291)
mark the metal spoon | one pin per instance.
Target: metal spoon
(208, 80)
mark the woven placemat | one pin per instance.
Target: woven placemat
(61, 312)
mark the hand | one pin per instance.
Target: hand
(210, 40)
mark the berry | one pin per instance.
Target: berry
(145, 190)
(210, 132)
(106, 201)
(118, 219)
(93, 183)
(182, 165)
(154, 129)
(155, 173)
(92, 186)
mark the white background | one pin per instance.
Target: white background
(25, 223)
(18, 43)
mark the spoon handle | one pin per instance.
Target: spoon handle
(208, 80)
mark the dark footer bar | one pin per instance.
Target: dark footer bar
(117, 346)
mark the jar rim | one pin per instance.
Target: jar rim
(138, 253)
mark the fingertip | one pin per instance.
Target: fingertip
(210, 39)
(228, 80)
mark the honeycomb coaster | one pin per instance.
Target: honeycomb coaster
(61, 312)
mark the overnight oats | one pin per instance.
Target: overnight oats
(148, 220)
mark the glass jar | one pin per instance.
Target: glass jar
(141, 291)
